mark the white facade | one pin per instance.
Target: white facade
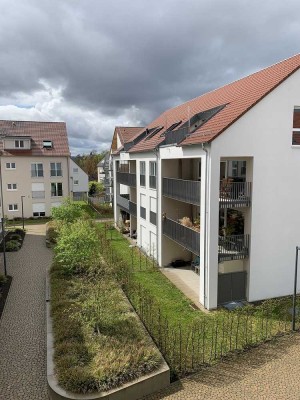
(261, 142)
(79, 180)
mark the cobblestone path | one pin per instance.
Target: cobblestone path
(268, 372)
(22, 326)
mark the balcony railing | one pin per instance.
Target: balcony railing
(143, 212)
(235, 194)
(183, 190)
(132, 208)
(108, 198)
(186, 237)
(152, 182)
(108, 182)
(108, 166)
(153, 217)
(235, 247)
(38, 194)
(126, 178)
(123, 203)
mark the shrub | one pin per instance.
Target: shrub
(77, 246)
(68, 211)
(12, 245)
(15, 236)
(19, 231)
(51, 232)
(3, 279)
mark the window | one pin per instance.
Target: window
(10, 165)
(11, 186)
(296, 126)
(75, 170)
(142, 173)
(76, 182)
(56, 189)
(13, 207)
(152, 178)
(47, 144)
(38, 209)
(37, 170)
(19, 144)
(55, 169)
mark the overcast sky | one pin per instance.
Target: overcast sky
(96, 64)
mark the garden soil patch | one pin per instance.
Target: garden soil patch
(4, 289)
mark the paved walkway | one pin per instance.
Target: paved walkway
(22, 326)
(268, 372)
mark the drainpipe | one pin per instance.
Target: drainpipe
(158, 220)
(205, 223)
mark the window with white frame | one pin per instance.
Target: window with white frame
(142, 173)
(76, 182)
(56, 189)
(13, 207)
(55, 169)
(152, 178)
(37, 170)
(152, 168)
(38, 209)
(10, 165)
(11, 186)
(19, 144)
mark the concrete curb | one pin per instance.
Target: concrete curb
(134, 390)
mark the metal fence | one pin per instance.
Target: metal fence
(123, 203)
(234, 194)
(183, 190)
(126, 178)
(234, 247)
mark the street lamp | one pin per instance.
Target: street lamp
(295, 291)
(22, 211)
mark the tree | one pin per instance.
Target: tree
(89, 162)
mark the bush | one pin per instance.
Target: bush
(3, 279)
(68, 211)
(77, 246)
(15, 236)
(12, 245)
(51, 233)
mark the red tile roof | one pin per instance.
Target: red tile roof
(238, 97)
(38, 131)
(125, 133)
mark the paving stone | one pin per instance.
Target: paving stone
(22, 326)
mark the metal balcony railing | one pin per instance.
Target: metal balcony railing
(123, 203)
(108, 182)
(186, 237)
(234, 247)
(38, 194)
(108, 166)
(126, 178)
(234, 194)
(183, 190)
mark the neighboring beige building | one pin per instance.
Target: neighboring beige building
(34, 167)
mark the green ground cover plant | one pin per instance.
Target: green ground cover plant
(189, 339)
(98, 340)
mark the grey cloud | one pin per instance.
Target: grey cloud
(111, 56)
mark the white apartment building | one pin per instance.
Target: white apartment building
(214, 181)
(79, 182)
(34, 167)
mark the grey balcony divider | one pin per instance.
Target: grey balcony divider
(187, 237)
(183, 190)
(234, 247)
(126, 178)
(123, 203)
(152, 182)
(153, 217)
(132, 208)
(235, 194)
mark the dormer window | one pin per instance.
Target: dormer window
(47, 144)
(19, 144)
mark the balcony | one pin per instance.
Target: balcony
(234, 194)
(182, 190)
(123, 202)
(108, 182)
(186, 237)
(126, 178)
(132, 208)
(235, 247)
(38, 194)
